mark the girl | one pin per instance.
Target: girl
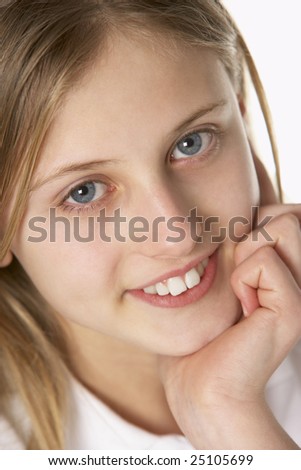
(144, 304)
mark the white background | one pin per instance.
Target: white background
(272, 30)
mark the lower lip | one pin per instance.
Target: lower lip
(188, 297)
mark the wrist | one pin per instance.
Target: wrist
(238, 425)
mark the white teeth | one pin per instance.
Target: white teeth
(192, 278)
(200, 268)
(176, 285)
(161, 288)
(150, 290)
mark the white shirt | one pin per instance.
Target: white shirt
(94, 426)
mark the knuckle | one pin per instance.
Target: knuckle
(265, 254)
(288, 222)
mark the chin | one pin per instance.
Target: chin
(187, 346)
(197, 338)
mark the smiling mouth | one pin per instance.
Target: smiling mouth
(179, 284)
(179, 291)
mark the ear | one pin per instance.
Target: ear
(267, 192)
(6, 260)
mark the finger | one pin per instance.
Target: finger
(267, 277)
(278, 209)
(282, 232)
(277, 316)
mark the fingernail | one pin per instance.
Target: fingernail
(245, 311)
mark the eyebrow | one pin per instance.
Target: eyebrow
(94, 164)
(70, 168)
(200, 113)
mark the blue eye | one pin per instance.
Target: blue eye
(192, 145)
(87, 192)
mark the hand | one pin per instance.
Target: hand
(217, 393)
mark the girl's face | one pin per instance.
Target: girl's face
(151, 135)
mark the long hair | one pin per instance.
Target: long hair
(46, 47)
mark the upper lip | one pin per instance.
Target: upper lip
(176, 272)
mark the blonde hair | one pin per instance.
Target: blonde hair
(47, 46)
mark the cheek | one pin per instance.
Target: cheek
(68, 274)
(225, 194)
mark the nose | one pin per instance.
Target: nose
(165, 212)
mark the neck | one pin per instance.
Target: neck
(123, 376)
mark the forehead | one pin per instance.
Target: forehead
(133, 89)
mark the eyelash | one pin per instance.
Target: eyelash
(79, 209)
(216, 135)
(90, 207)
